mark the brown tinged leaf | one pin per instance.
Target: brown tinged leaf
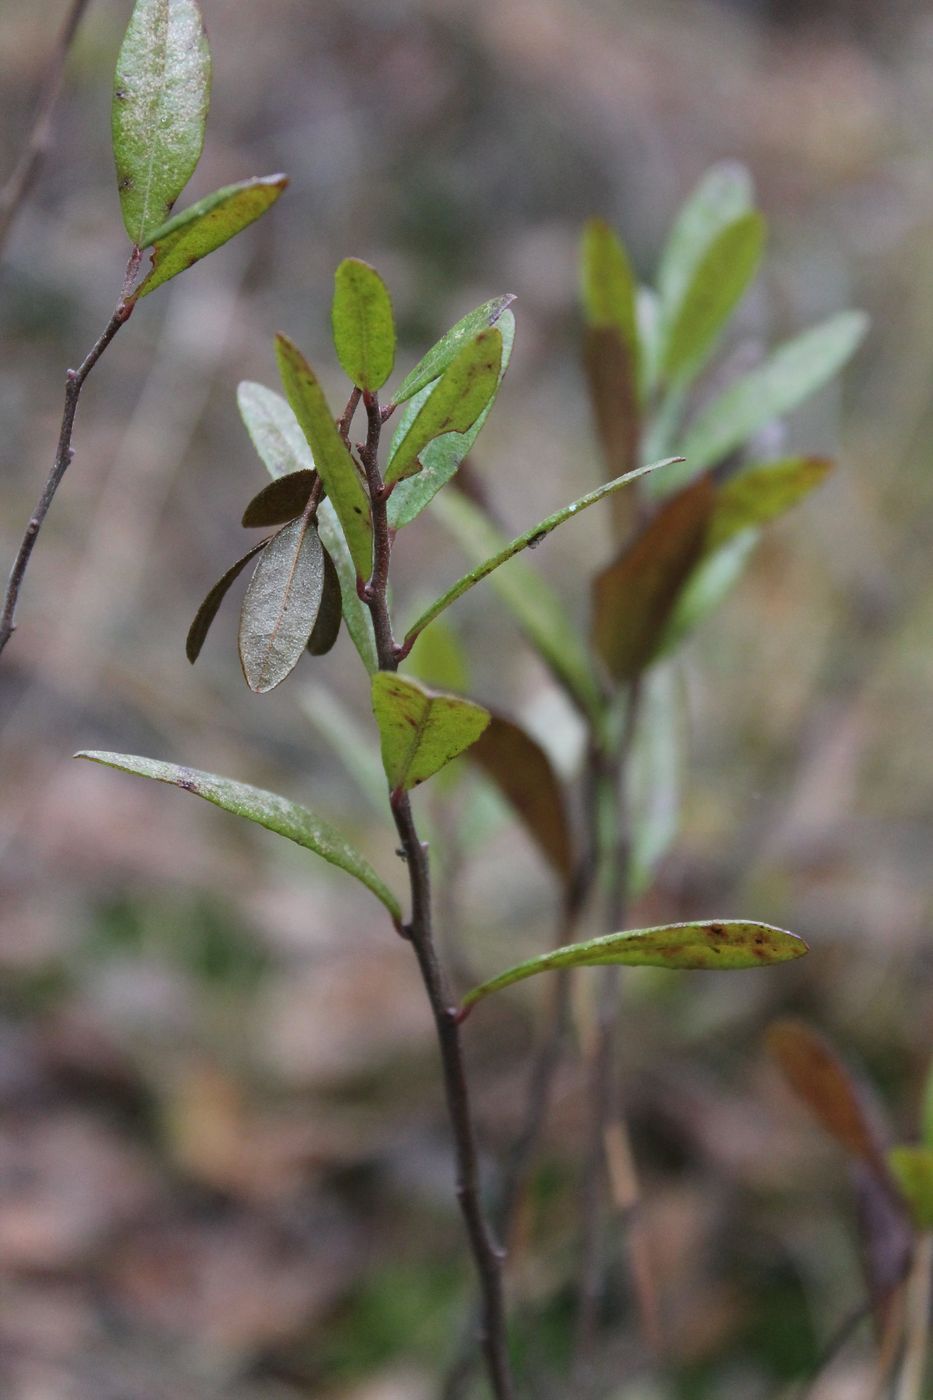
(634, 596)
(612, 376)
(829, 1089)
(197, 632)
(280, 501)
(327, 625)
(522, 771)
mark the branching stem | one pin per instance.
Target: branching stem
(487, 1254)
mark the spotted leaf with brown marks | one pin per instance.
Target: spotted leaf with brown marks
(421, 730)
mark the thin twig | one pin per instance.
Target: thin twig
(16, 189)
(487, 1255)
(74, 382)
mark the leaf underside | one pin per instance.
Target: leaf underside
(327, 624)
(197, 632)
(274, 430)
(280, 500)
(281, 605)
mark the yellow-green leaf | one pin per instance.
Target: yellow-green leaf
(207, 225)
(721, 945)
(333, 461)
(363, 326)
(437, 359)
(453, 405)
(912, 1168)
(609, 289)
(421, 730)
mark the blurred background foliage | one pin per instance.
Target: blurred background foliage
(223, 1165)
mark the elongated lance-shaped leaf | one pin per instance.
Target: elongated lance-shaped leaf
(441, 458)
(830, 1090)
(355, 612)
(535, 605)
(912, 1169)
(654, 777)
(723, 194)
(528, 540)
(421, 730)
(722, 945)
(161, 93)
(720, 280)
(326, 627)
(633, 597)
(197, 632)
(437, 359)
(333, 461)
(439, 660)
(788, 376)
(352, 743)
(265, 808)
(280, 500)
(281, 605)
(524, 775)
(456, 401)
(610, 376)
(274, 430)
(609, 290)
(759, 494)
(705, 590)
(207, 225)
(363, 325)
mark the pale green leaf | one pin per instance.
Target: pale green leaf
(281, 605)
(356, 614)
(362, 323)
(720, 280)
(723, 945)
(207, 225)
(441, 458)
(654, 777)
(275, 431)
(455, 402)
(421, 730)
(473, 528)
(437, 359)
(161, 93)
(788, 376)
(334, 464)
(265, 808)
(439, 660)
(538, 609)
(347, 738)
(912, 1168)
(723, 195)
(197, 632)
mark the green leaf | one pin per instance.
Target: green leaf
(634, 596)
(281, 605)
(281, 500)
(926, 1111)
(653, 777)
(723, 195)
(912, 1168)
(710, 583)
(609, 290)
(457, 399)
(363, 326)
(441, 458)
(326, 627)
(207, 225)
(437, 359)
(333, 461)
(197, 632)
(275, 431)
(355, 612)
(421, 730)
(759, 494)
(161, 93)
(610, 377)
(725, 945)
(790, 374)
(721, 278)
(474, 531)
(265, 808)
(538, 609)
(524, 775)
